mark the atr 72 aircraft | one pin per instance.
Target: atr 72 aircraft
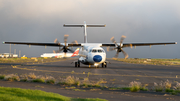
(92, 53)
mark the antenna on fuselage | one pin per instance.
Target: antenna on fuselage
(85, 26)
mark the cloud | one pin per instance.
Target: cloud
(42, 21)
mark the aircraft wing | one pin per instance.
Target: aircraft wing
(103, 45)
(41, 44)
(140, 44)
(38, 44)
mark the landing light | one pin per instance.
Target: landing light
(96, 64)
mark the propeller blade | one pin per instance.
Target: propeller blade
(122, 39)
(54, 51)
(117, 54)
(111, 49)
(74, 42)
(57, 51)
(56, 41)
(113, 40)
(70, 50)
(65, 39)
(125, 54)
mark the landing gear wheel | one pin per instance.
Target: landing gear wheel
(105, 64)
(102, 65)
(76, 64)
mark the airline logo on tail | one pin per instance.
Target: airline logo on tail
(76, 53)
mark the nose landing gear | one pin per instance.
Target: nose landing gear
(104, 64)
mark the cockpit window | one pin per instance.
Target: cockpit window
(94, 51)
(100, 51)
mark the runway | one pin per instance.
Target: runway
(117, 74)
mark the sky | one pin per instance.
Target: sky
(139, 20)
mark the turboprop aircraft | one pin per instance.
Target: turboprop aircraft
(92, 53)
(61, 55)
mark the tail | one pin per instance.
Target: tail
(85, 26)
(76, 53)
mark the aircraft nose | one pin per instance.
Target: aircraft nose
(97, 58)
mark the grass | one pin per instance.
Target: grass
(125, 88)
(2, 76)
(135, 86)
(39, 80)
(114, 88)
(28, 60)
(52, 81)
(12, 77)
(78, 90)
(151, 61)
(17, 94)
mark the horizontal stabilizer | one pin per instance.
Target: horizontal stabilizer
(83, 25)
(96, 25)
(73, 25)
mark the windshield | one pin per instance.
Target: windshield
(97, 50)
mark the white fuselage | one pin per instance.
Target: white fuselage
(58, 55)
(92, 55)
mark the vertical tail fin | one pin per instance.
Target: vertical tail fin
(85, 26)
(76, 53)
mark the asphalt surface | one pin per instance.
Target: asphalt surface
(117, 74)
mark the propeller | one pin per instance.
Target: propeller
(119, 47)
(65, 47)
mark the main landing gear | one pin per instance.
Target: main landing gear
(104, 64)
(77, 64)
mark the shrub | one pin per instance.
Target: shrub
(52, 81)
(135, 86)
(144, 87)
(158, 87)
(2, 76)
(167, 84)
(32, 76)
(177, 87)
(169, 90)
(12, 77)
(39, 80)
(23, 77)
(70, 80)
(163, 85)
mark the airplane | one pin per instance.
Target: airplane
(61, 55)
(92, 54)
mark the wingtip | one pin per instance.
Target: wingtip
(175, 42)
(3, 42)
